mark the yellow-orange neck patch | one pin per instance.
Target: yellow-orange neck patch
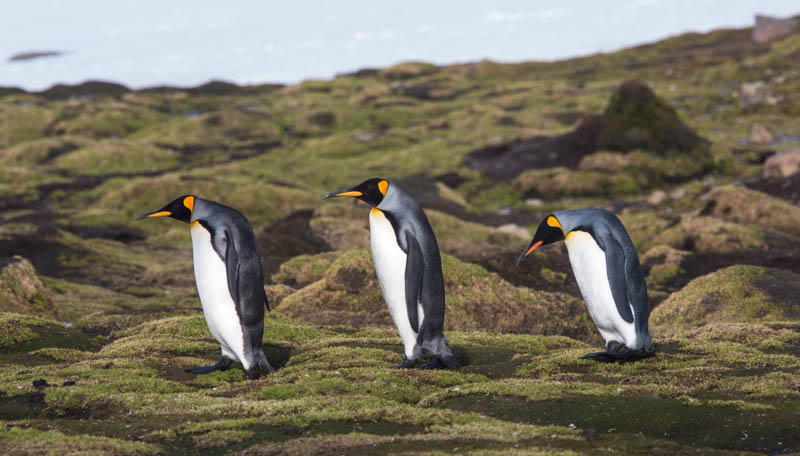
(376, 211)
(189, 203)
(383, 186)
(552, 221)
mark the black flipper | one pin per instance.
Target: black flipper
(222, 365)
(232, 266)
(616, 266)
(414, 267)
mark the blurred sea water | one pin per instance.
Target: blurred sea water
(148, 42)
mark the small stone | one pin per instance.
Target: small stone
(534, 202)
(366, 137)
(513, 228)
(678, 193)
(782, 165)
(760, 135)
(40, 384)
(572, 426)
(505, 210)
(656, 198)
(68, 383)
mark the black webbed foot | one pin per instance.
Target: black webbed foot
(406, 363)
(617, 352)
(436, 364)
(222, 365)
(262, 366)
(443, 363)
(600, 357)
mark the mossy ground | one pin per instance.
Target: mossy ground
(119, 315)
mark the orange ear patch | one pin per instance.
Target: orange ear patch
(189, 203)
(552, 221)
(383, 186)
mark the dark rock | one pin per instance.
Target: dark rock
(88, 89)
(636, 118)
(69, 383)
(6, 91)
(35, 397)
(40, 384)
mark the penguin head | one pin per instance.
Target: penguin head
(549, 231)
(179, 209)
(371, 191)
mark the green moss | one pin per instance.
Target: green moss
(304, 269)
(24, 441)
(25, 333)
(734, 294)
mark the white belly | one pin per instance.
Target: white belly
(390, 265)
(589, 265)
(218, 305)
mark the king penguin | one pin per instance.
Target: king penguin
(409, 269)
(227, 270)
(609, 276)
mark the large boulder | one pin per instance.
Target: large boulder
(21, 291)
(782, 165)
(738, 293)
(768, 28)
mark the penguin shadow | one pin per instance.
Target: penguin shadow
(277, 355)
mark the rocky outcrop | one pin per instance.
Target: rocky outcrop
(634, 120)
(769, 28)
